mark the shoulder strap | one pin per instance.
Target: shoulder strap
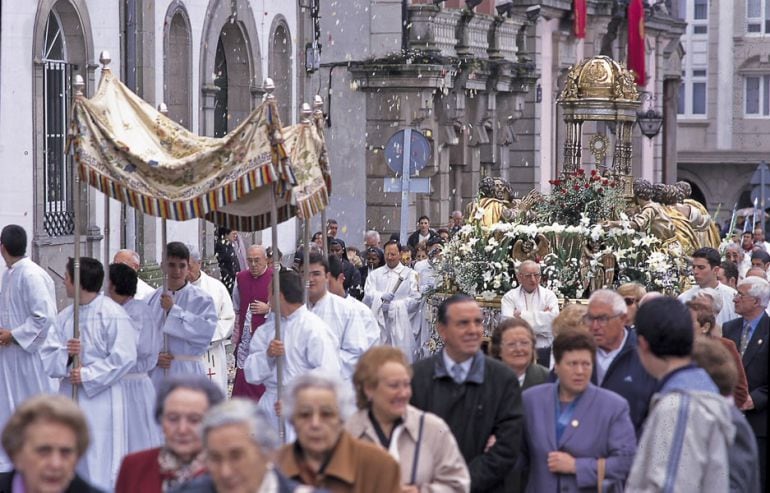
(676, 445)
(413, 477)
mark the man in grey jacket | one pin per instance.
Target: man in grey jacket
(687, 436)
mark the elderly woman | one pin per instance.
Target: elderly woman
(44, 438)
(325, 455)
(421, 442)
(240, 445)
(513, 342)
(179, 408)
(578, 437)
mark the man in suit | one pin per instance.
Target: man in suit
(477, 396)
(750, 334)
(617, 363)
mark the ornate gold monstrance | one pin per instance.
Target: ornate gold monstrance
(602, 90)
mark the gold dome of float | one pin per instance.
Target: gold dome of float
(600, 78)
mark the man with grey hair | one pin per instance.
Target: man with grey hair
(372, 240)
(618, 367)
(455, 222)
(532, 302)
(216, 357)
(734, 253)
(750, 334)
(132, 259)
(237, 428)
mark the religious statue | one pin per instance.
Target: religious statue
(666, 196)
(494, 204)
(651, 217)
(528, 249)
(597, 266)
(706, 230)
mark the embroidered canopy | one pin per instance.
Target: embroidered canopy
(133, 153)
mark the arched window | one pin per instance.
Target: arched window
(232, 102)
(280, 70)
(58, 213)
(178, 76)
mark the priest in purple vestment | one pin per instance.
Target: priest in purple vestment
(250, 298)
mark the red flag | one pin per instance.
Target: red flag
(579, 12)
(636, 55)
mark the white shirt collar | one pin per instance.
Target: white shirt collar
(449, 363)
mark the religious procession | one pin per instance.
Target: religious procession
(607, 335)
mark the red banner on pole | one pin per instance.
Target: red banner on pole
(636, 51)
(579, 12)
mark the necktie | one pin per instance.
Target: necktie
(745, 337)
(457, 373)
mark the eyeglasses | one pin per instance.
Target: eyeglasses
(630, 301)
(517, 344)
(531, 276)
(601, 319)
(742, 295)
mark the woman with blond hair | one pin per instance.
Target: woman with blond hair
(421, 442)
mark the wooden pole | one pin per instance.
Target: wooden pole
(318, 117)
(275, 302)
(79, 86)
(305, 117)
(163, 109)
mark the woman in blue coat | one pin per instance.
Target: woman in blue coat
(574, 430)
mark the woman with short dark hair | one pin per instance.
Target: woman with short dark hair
(180, 407)
(578, 436)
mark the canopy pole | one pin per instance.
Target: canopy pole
(105, 59)
(79, 85)
(318, 116)
(275, 301)
(305, 119)
(163, 109)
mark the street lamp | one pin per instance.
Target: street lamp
(649, 121)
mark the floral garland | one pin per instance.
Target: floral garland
(478, 261)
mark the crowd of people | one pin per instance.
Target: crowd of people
(632, 391)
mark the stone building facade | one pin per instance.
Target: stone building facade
(724, 104)
(206, 59)
(482, 86)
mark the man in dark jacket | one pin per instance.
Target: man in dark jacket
(477, 396)
(618, 367)
(423, 233)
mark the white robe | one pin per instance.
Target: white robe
(138, 389)
(426, 276)
(309, 345)
(108, 352)
(348, 329)
(538, 308)
(727, 293)
(400, 326)
(216, 357)
(371, 327)
(28, 310)
(143, 290)
(186, 330)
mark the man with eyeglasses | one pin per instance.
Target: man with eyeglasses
(618, 367)
(532, 302)
(705, 267)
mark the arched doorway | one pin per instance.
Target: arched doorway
(177, 85)
(232, 101)
(281, 61)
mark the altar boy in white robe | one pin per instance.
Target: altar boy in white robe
(392, 292)
(27, 313)
(307, 343)
(138, 389)
(107, 351)
(340, 316)
(532, 302)
(184, 315)
(216, 357)
(336, 285)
